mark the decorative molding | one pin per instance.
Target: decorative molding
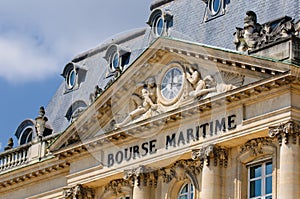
(217, 153)
(79, 192)
(142, 176)
(283, 131)
(115, 186)
(179, 170)
(255, 145)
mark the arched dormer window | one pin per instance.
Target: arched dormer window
(26, 132)
(117, 58)
(75, 109)
(160, 21)
(74, 75)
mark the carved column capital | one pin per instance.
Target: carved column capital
(284, 131)
(79, 192)
(255, 145)
(217, 153)
(143, 176)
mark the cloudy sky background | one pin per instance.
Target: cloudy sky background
(38, 38)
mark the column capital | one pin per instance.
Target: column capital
(283, 131)
(217, 153)
(142, 175)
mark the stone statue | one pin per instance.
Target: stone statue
(97, 92)
(149, 103)
(40, 122)
(198, 84)
(255, 35)
(217, 87)
(10, 144)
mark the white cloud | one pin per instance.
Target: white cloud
(37, 38)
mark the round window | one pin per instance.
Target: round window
(214, 6)
(115, 59)
(159, 26)
(71, 79)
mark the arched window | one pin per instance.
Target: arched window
(75, 110)
(117, 58)
(74, 75)
(160, 21)
(186, 191)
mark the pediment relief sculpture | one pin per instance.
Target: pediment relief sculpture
(173, 85)
(255, 35)
(144, 105)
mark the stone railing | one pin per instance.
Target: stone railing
(14, 157)
(24, 154)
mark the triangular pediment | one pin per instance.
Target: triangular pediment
(169, 75)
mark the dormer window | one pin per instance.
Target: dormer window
(215, 8)
(117, 57)
(74, 75)
(71, 78)
(75, 110)
(160, 21)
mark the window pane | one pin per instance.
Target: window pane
(183, 197)
(255, 171)
(269, 197)
(269, 185)
(255, 188)
(269, 168)
(184, 189)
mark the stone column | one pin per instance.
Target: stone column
(143, 179)
(213, 158)
(289, 166)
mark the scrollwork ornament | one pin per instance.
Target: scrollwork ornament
(255, 145)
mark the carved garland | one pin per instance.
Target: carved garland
(79, 192)
(179, 170)
(115, 186)
(255, 145)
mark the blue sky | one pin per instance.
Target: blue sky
(39, 37)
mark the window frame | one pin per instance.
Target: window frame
(263, 177)
(190, 190)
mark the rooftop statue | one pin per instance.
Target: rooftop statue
(254, 35)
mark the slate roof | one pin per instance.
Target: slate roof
(189, 24)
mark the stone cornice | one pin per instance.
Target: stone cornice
(33, 173)
(283, 132)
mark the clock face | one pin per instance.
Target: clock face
(172, 84)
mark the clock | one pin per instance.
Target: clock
(171, 85)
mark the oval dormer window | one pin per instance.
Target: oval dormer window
(160, 21)
(159, 26)
(115, 60)
(71, 78)
(215, 6)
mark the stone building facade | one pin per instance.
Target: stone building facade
(203, 103)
